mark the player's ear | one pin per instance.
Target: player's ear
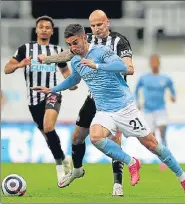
(85, 37)
(108, 23)
(52, 31)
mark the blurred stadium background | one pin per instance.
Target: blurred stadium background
(151, 27)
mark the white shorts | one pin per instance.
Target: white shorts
(129, 121)
(156, 119)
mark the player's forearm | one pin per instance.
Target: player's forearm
(65, 72)
(64, 56)
(66, 84)
(10, 68)
(173, 92)
(128, 62)
(115, 66)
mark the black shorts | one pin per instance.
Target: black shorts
(52, 101)
(87, 113)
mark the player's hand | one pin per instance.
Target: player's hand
(173, 100)
(41, 89)
(25, 62)
(41, 59)
(73, 88)
(89, 63)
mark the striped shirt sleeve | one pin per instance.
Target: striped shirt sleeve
(20, 53)
(124, 48)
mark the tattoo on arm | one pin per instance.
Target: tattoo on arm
(64, 56)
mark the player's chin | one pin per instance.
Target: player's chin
(44, 38)
(100, 35)
(77, 52)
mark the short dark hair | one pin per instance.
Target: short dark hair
(46, 18)
(73, 29)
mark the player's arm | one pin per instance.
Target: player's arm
(172, 90)
(19, 60)
(65, 71)
(108, 61)
(138, 86)
(124, 51)
(63, 56)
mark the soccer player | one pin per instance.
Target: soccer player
(154, 86)
(44, 110)
(100, 68)
(101, 35)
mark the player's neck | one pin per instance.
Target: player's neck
(43, 42)
(86, 50)
(155, 73)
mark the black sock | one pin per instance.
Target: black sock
(117, 167)
(53, 142)
(78, 152)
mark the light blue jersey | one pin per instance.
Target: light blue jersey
(154, 87)
(110, 91)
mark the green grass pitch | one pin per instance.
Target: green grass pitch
(96, 186)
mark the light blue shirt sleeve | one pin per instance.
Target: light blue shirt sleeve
(69, 82)
(170, 85)
(111, 61)
(138, 86)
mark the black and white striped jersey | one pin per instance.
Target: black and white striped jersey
(38, 74)
(117, 42)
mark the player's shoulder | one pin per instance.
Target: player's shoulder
(25, 44)
(146, 75)
(22, 48)
(165, 76)
(118, 35)
(75, 59)
(101, 48)
(56, 46)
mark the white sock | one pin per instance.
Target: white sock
(59, 167)
(133, 161)
(182, 177)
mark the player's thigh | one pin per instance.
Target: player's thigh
(149, 118)
(103, 125)
(86, 113)
(161, 118)
(37, 112)
(52, 108)
(79, 135)
(131, 122)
